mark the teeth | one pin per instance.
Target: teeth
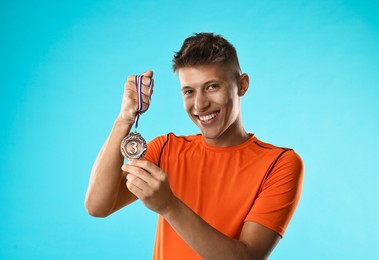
(208, 117)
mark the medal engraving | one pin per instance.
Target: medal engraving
(133, 146)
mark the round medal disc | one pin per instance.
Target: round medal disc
(133, 146)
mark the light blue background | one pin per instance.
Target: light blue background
(314, 87)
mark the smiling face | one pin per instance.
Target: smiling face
(211, 96)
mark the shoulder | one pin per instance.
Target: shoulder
(289, 162)
(286, 168)
(173, 139)
(168, 144)
(268, 146)
(279, 156)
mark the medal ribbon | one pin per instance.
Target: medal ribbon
(139, 86)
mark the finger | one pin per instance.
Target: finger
(130, 93)
(132, 79)
(136, 181)
(146, 81)
(146, 92)
(145, 106)
(148, 74)
(147, 87)
(145, 98)
(138, 172)
(149, 167)
(134, 189)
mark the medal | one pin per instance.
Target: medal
(134, 146)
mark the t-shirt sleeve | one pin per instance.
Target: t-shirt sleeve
(154, 149)
(280, 193)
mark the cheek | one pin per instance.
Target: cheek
(231, 105)
(226, 101)
(186, 105)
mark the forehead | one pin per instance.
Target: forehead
(198, 75)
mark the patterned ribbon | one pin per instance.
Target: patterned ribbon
(139, 85)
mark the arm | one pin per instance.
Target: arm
(106, 191)
(256, 241)
(106, 186)
(150, 184)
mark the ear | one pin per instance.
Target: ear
(243, 84)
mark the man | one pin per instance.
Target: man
(221, 194)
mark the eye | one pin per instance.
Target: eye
(212, 87)
(187, 92)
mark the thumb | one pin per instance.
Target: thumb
(148, 74)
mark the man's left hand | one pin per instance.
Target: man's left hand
(150, 184)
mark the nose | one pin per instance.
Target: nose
(201, 101)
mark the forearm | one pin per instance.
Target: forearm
(150, 183)
(106, 175)
(203, 238)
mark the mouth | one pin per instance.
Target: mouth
(207, 118)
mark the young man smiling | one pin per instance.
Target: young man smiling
(221, 194)
(211, 98)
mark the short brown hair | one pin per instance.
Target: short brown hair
(204, 49)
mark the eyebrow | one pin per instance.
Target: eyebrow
(205, 83)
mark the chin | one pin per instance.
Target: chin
(210, 134)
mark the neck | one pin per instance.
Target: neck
(234, 135)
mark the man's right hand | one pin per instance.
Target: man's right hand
(106, 191)
(129, 106)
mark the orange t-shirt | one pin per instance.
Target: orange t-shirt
(227, 186)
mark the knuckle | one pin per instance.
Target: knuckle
(146, 81)
(131, 78)
(129, 178)
(129, 185)
(129, 88)
(139, 173)
(156, 185)
(162, 176)
(149, 193)
(141, 163)
(129, 92)
(145, 100)
(144, 163)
